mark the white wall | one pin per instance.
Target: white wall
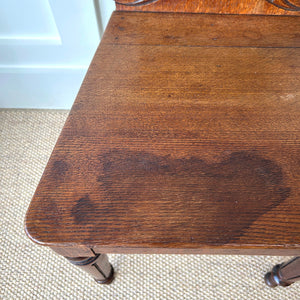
(45, 49)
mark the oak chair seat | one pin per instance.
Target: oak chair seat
(182, 139)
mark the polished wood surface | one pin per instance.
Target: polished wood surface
(259, 7)
(192, 30)
(185, 141)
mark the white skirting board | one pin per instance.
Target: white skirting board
(40, 88)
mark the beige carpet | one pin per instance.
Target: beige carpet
(29, 271)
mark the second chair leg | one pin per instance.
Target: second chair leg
(284, 274)
(98, 266)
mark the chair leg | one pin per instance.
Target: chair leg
(98, 266)
(284, 274)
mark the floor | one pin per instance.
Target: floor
(29, 271)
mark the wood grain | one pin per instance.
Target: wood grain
(162, 29)
(259, 7)
(179, 147)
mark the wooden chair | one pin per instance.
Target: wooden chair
(184, 138)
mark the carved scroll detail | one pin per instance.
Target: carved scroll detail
(285, 4)
(136, 3)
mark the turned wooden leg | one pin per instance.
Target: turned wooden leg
(284, 274)
(98, 266)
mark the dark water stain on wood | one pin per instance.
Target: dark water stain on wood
(84, 211)
(162, 199)
(60, 167)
